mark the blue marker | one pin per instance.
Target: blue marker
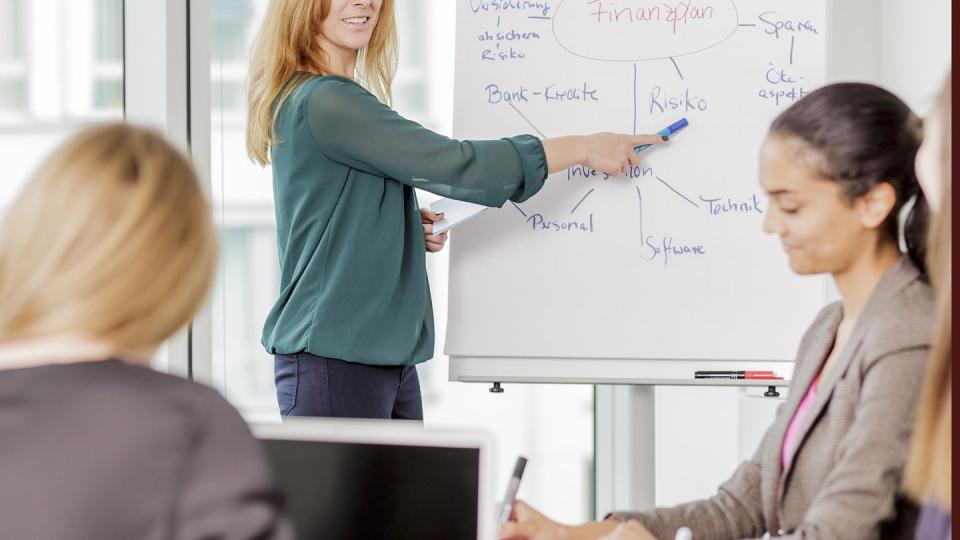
(667, 131)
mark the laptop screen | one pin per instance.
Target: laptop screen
(336, 489)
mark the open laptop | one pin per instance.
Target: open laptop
(345, 479)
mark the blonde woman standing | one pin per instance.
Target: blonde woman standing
(929, 469)
(110, 249)
(354, 315)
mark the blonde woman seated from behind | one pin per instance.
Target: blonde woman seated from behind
(108, 251)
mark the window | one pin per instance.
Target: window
(232, 34)
(108, 58)
(248, 277)
(61, 66)
(552, 425)
(13, 69)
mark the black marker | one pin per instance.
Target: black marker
(735, 375)
(512, 488)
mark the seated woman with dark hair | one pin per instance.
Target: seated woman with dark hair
(838, 168)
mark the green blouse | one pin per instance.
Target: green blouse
(353, 280)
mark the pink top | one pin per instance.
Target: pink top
(790, 439)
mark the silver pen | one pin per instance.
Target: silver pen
(512, 488)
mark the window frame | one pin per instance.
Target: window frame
(166, 84)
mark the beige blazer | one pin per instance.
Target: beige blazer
(844, 479)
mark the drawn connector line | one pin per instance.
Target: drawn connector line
(527, 120)
(675, 66)
(634, 98)
(518, 208)
(662, 181)
(581, 200)
(541, 18)
(640, 200)
(791, 49)
(745, 24)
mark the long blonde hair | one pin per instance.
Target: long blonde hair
(111, 238)
(928, 472)
(287, 51)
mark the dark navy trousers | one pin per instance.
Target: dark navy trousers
(309, 385)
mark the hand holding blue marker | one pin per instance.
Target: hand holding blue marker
(665, 132)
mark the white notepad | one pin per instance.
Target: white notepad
(454, 213)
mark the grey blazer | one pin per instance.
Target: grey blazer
(844, 478)
(107, 450)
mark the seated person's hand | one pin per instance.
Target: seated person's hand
(434, 242)
(630, 530)
(528, 524)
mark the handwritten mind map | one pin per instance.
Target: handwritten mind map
(541, 61)
(668, 260)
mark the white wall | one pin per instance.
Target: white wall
(696, 445)
(915, 49)
(703, 433)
